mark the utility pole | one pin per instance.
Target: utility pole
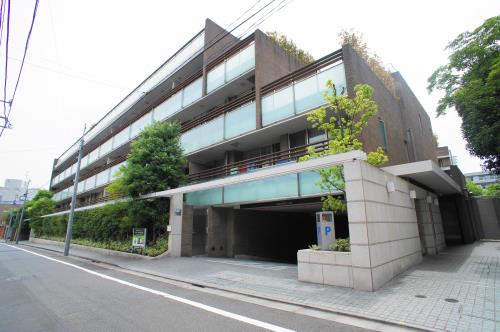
(18, 233)
(73, 199)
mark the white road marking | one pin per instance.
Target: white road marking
(198, 305)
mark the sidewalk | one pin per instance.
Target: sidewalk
(458, 290)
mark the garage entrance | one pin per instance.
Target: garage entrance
(272, 231)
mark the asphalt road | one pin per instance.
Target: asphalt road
(54, 293)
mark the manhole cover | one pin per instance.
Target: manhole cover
(421, 296)
(451, 300)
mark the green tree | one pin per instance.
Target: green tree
(492, 190)
(343, 119)
(42, 204)
(471, 84)
(474, 189)
(156, 161)
(289, 45)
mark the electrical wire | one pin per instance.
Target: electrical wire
(6, 118)
(7, 113)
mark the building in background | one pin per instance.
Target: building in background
(445, 158)
(13, 190)
(484, 179)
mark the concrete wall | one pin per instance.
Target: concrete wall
(415, 117)
(399, 114)
(271, 63)
(430, 225)
(357, 71)
(220, 232)
(325, 267)
(180, 238)
(487, 214)
(383, 226)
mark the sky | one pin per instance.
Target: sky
(85, 56)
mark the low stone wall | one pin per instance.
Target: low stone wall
(108, 252)
(325, 267)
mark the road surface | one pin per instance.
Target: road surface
(44, 291)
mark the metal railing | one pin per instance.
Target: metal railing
(256, 163)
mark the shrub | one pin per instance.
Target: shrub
(340, 245)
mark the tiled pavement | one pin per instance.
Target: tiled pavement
(458, 290)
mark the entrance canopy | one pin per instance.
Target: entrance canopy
(428, 174)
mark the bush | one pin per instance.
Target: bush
(152, 250)
(111, 223)
(340, 245)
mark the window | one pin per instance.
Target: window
(383, 136)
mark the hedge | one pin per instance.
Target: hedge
(112, 222)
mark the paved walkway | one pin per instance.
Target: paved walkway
(458, 290)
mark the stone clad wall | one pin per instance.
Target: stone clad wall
(383, 226)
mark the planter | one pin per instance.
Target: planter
(325, 267)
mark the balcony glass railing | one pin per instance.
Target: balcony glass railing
(100, 179)
(301, 96)
(226, 126)
(189, 51)
(231, 68)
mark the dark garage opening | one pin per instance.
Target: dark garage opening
(276, 232)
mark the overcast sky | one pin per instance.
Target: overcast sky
(85, 56)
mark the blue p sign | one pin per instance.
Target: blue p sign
(328, 229)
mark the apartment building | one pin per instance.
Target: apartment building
(240, 100)
(242, 105)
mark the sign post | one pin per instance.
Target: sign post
(139, 238)
(325, 229)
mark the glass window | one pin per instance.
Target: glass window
(383, 136)
(277, 106)
(307, 95)
(106, 147)
(205, 197)
(315, 135)
(168, 107)
(240, 121)
(140, 124)
(215, 77)
(207, 134)
(121, 138)
(192, 92)
(275, 187)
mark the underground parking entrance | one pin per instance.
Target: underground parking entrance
(272, 231)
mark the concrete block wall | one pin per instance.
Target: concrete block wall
(325, 267)
(383, 225)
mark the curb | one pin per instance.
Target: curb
(253, 294)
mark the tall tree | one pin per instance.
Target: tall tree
(39, 206)
(156, 161)
(343, 119)
(471, 84)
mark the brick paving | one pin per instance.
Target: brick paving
(457, 290)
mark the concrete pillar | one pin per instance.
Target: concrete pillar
(382, 225)
(220, 237)
(181, 223)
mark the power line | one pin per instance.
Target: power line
(5, 111)
(5, 116)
